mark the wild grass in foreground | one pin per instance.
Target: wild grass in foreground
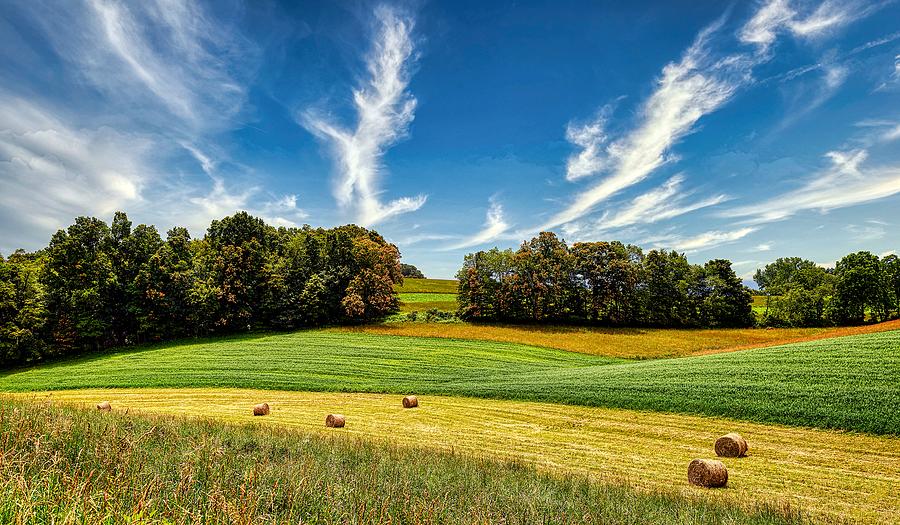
(830, 476)
(848, 383)
(65, 465)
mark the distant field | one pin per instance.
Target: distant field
(410, 302)
(846, 383)
(627, 343)
(62, 465)
(759, 304)
(420, 295)
(428, 286)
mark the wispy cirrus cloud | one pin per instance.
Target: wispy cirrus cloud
(159, 58)
(700, 83)
(847, 182)
(52, 171)
(495, 225)
(778, 16)
(385, 109)
(703, 241)
(666, 201)
(689, 89)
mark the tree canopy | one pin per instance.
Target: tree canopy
(99, 285)
(600, 282)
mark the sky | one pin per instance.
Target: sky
(745, 130)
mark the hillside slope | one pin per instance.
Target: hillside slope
(850, 383)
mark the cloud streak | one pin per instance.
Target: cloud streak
(51, 171)
(495, 225)
(384, 110)
(703, 241)
(687, 90)
(847, 182)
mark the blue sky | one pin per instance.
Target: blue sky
(750, 131)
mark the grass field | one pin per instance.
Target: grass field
(416, 301)
(62, 465)
(845, 383)
(627, 343)
(759, 304)
(428, 286)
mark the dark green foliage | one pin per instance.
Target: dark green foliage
(108, 468)
(860, 289)
(97, 286)
(600, 282)
(23, 313)
(411, 271)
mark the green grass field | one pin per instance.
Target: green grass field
(428, 286)
(421, 302)
(848, 383)
(61, 465)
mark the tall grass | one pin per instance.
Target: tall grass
(63, 465)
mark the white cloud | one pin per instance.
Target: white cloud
(664, 202)
(385, 110)
(761, 29)
(778, 16)
(206, 163)
(51, 171)
(846, 183)
(154, 60)
(494, 226)
(764, 247)
(702, 241)
(689, 89)
(283, 211)
(590, 137)
(661, 203)
(865, 232)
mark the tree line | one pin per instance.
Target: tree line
(98, 285)
(611, 283)
(860, 287)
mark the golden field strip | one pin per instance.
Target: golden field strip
(628, 343)
(831, 476)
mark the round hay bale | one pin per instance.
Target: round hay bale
(335, 421)
(104, 406)
(261, 409)
(410, 402)
(731, 445)
(708, 473)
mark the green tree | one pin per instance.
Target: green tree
(860, 289)
(80, 282)
(891, 265)
(23, 313)
(667, 278)
(608, 274)
(726, 302)
(164, 287)
(411, 271)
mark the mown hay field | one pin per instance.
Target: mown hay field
(848, 383)
(625, 343)
(829, 475)
(63, 465)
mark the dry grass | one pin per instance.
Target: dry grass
(629, 343)
(831, 475)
